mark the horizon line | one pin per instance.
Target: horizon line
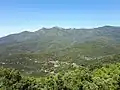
(60, 27)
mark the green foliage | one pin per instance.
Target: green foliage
(44, 64)
(104, 78)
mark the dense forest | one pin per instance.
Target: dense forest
(106, 77)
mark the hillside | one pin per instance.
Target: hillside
(55, 38)
(51, 50)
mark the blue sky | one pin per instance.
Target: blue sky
(21, 15)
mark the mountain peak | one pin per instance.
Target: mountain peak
(51, 28)
(107, 27)
(25, 32)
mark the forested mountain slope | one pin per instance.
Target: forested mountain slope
(56, 38)
(50, 50)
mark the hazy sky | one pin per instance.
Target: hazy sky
(20, 15)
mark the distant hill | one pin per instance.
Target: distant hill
(56, 38)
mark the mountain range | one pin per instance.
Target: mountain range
(49, 48)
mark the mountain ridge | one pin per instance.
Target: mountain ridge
(44, 28)
(55, 37)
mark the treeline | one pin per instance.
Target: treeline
(104, 78)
